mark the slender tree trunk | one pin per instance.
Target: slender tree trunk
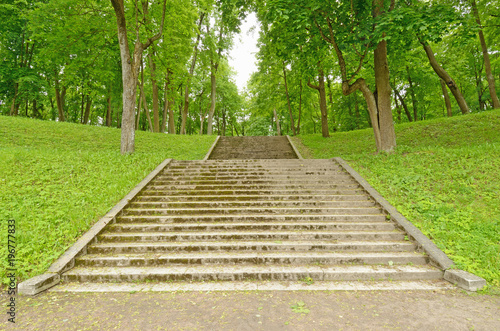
(13, 107)
(166, 105)
(322, 100)
(447, 78)
(88, 104)
(300, 108)
(156, 103)
(276, 119)
(292, 122)
(446, 98)
(138, 117)
(412, 94)
(405, 107)
(213, 91)
(330, 96)
(487, 63)
(191, 71)
(60, 95)
(109, 112)
(398, 107)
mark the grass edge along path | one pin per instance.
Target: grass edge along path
(58, 179)
(444, 177)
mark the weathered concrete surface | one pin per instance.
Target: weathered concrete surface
(464, 279)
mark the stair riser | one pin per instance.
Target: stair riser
(276, 276)
(169, 175)
(246, 188)
(221, 169)
(173, 192)
(110, 237)
(253, 204)
(247, 177)
(259, 227)
(253, 218)
(235, 247)
(253, 183)
(145, 262)
(247, 211)
(259, 198)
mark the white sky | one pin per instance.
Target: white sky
(242, 56)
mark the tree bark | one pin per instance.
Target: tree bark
(214, 66)
(108, 113)
(292, 122)
(300, 108)
(276, 119)
(322, 101)
(130, 70)
(447, 78)
(188, 83)
(487, 63)
(88, 103)
(14, 108)
(381, 67)
(156, 103)
(412, 94)
(60, 95)
(446, 98)
(330, 96)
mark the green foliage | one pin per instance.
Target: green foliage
(58, 179)
(300, 308)
(443, 177)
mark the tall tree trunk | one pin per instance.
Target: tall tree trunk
(398, 107)
(447, 78)
(276, 119)
(88, 104)
(138, 117)
(109, 113)
(322, 100)
(292, 122)
(412, 94)
(156, 104)
(446, 98)
(386, 122)
(60, 96)
(214, 66)
(14, 108)
(300, 109)
(487, 63)
(130, 70)
(330, 96)
(188, 83)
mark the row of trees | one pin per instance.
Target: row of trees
(323, 65)
(137, 65)
(342, 65)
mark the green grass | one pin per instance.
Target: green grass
(444, 177)
(58, 179)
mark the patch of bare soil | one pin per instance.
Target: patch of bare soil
(301, 310)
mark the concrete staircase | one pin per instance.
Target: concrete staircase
(245, 148)
(298, 221)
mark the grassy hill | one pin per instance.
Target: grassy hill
(58, 179)
(444, 177)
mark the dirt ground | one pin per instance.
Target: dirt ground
(279, 310)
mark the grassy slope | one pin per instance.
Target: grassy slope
(58, 179)
(444, 177)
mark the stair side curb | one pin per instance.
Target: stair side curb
(462, 279)
(295, 150)
(66, 261)
(211, 149)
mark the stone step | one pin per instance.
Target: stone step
(289, 226)
(242, 168)
(249, 272)
(244, 204)
(218, 174)
(251, 246)
(250, 235)
(257, 182)
(173, 191)
(253, 285)
(252, 178)
(256, 218)
(255, 210)
(244, 258)
(270, 186)
(255, 197)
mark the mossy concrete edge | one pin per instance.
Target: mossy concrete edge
(211, 148)
(462, 279)
(295, 150)
(52, 277)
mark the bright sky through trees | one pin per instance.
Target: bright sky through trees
(242, 56)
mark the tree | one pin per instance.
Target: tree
(131, 64)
